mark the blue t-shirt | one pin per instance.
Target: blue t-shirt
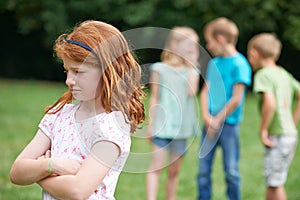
(222, 74)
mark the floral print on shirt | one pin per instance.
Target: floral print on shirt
(75, 139)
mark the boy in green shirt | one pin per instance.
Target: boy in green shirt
(278, 132)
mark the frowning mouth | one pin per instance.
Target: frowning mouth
(74, 90)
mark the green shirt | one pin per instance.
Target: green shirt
(284, 87)
(176, 116)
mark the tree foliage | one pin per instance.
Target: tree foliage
(55, 16)
(52, 17)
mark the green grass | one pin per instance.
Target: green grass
(21, 108)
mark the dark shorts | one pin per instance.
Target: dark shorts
(177, 146)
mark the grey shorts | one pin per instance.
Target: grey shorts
(277, 159)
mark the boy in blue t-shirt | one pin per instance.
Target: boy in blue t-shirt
(222, 100)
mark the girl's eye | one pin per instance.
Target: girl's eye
(73, 71)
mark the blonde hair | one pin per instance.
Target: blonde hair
(267, 44)
(120, 87)
(225, 27)
(176, 35)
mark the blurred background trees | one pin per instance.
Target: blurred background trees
(29, 27)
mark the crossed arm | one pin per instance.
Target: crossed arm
(69, 179)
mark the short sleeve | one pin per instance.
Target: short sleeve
(295, 84)
(196, 71)
(157, 67)
(47, 124)
(262, 83)
(211, 70)
(115, 129)
(242, 72)
(52, 121)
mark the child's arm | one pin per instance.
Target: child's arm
(296, 114)
(232, 104)
(193, 81)
(91, 174)
(29, 168)
(210, 125)
(204, 104)
(267, 112)
(154, 98)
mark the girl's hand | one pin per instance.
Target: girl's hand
(62, 166)
(65, 166)
(47, 155)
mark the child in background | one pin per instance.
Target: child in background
(172, 109)
(81, 147)
(222, 100)
(278, 132)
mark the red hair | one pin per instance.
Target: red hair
(120, 87)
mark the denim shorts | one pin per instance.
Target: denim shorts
(177, 146)
(277, 159)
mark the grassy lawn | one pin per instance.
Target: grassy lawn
(21, 108)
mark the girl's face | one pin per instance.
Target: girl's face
(188, 49)
(82, 80)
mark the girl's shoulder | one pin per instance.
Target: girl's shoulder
(159, 66)
(164, 68)
(113, 123)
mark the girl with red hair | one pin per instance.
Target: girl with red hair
(83, 140)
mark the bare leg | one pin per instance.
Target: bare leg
(276, 193)
(156, 166)
(173, 171)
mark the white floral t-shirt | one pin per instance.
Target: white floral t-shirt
(74, 139)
